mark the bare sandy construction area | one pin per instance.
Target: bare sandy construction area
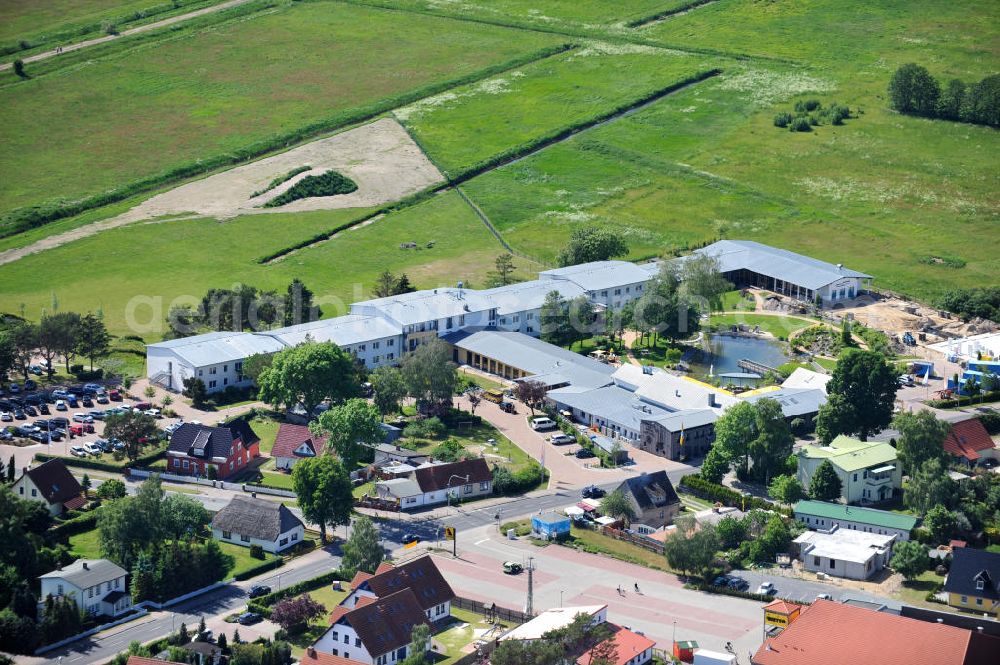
(380, 157)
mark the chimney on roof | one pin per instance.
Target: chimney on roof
(711, 401)
(311, 651)
(86, 566)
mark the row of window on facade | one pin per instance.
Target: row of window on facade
(186, 465)
(95, 589)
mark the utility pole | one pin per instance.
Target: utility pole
(529, 607)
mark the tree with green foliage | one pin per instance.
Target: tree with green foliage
(111, 489)
(127, 526)
(556, 327)
(298, 306)
(691, 548)
(715, 466)
(324, 491)
(982, 103)
(773, 444)
(921, 438)
(930, 486)
(909, 559)
(530, 652)
(351, 429)
(786, 489)
(735, 430)
(825, 484)
(590, 243)
(257, 653)
(255, 364)
(92, 338)
(388, 388)
(363, 550)
(530, 393)
(133, 429)
(701, 277)
(582, 318)
(183, 516)
(8, 354)
(61, 618)
(194, 388)
(867, 384)
(952, 98)
(503, 273)
(307, 374)
(616, 505)
(294, 614)
(912, 90)
(420, 638)
(429, 375)
(941, 523)
(731, 531)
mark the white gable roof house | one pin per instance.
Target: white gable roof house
(97, 586)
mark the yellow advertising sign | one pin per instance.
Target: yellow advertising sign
(449, 533)
(775, 619)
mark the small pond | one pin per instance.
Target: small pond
(726, 350)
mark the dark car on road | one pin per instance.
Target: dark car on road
(583, 453)
(259, 590)
(592, 492)
(248, 618)
(410, 538)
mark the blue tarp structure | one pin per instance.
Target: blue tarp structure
(550, 525)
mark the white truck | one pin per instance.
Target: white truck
(706, 657)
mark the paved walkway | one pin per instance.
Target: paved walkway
(155, 25)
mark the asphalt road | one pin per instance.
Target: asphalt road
(225, 600)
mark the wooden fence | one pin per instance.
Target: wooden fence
(635, 539)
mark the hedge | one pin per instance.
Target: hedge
(992, 396)
(87, 463)
(261, 567)
(71, 527)
(32, 217)
(695, 484)
(726, 591)
(301, 587)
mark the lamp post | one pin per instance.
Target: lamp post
(560, 597)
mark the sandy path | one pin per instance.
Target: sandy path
(155, 25)
(380, 157)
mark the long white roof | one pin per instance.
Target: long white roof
(674, 393)
(777, 263)
(525, 296)
(342, 330)
(219, 347)
(557, 617)
(429, 305)
(599, 275)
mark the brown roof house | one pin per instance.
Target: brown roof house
(52, 484)
(436, 483)
(295, 442)
(250, 521)
(372, 625)
(969, 442)
(653, 499)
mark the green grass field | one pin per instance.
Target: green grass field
(779, 326)
(463, 126)
(201, 93)
(879, 194)
(76, 19)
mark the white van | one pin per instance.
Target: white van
(542, 422)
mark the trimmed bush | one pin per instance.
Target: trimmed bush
(698, 486)
(257, 552)
(800, 124)
(71, 527)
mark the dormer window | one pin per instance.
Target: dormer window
(979, 585)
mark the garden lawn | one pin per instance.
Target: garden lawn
(469, 124)
(733, 300)
(340, 271)
(198, 93)
(778, 325)
(327, 597)
(267, 430)
(591, 541)
(242, 559)
(278, 479)
(86, 545)
(460, 634)
(915, 591)
(552, 14)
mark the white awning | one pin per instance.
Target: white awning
(573, 511)
(881, 469)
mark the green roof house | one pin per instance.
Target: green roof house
(868, 470)
(823, 516)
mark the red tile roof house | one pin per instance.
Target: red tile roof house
(829, 633)
(434, 484)
(295, 442)
(228, 448)
(630, 648)
(372, 625)
(969, 442)
(52, 484)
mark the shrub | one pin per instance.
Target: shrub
(281, 179)
(782, 119)
(89, 375)
(800, 125)
(257, 552)
(330, 183)
(428, 428)
(523, 480)
(695, 484)
(19, 68)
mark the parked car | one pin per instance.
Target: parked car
(583, 453)
(92, 448)
(153, 413)
(61, 405)
(542, 423)
(142, 406)
(6, 416)
(77, 451)
(96, 414)
(19, 414)
(92, 388)
(906, 380)
(30, 385)
(507, 407)
(259, 590)
(766, 588)
(36, 370)
(592, 492)
(512, 567)
(410, 538)
(248, 618)
(114, 396)
(738, 583)
(721, 580)
(87, 402)
(43, 409)
(824, 596)
(102, 398)
(562, 439)
(14, 389)
(31, 411)
(82, 418)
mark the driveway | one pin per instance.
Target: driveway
(566, 471)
